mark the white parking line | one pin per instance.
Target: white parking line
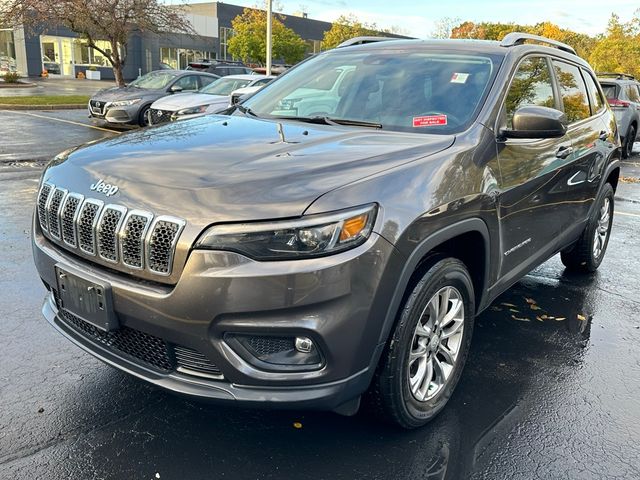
(62, 120)
(617, 212)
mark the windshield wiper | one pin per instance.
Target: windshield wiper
(333, 121)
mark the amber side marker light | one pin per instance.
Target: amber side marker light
(353, 226)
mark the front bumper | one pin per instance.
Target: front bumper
(116, 115)
(327, 299)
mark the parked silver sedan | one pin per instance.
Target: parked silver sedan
(211, 99)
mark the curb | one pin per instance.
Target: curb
(18, 85)
(67, 106)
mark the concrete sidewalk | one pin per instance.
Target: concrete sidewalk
(57, 86)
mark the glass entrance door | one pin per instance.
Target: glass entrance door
(57, 55)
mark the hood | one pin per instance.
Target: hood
(216, 168)
(186, 100)
(125, 93)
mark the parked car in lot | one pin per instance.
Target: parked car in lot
(50, 66)
(220, 68)
(213, 98)
(623, 94)
(271, 258)
(129, 105)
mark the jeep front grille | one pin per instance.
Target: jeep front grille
(134, 239)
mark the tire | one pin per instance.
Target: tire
(143, 119)
(627, 149)
(405, 391)
(585, 255)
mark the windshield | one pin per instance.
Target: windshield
(224, 86)
(153, 80)
(417, 91)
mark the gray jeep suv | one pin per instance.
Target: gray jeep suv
(623, 94)
(335, 235)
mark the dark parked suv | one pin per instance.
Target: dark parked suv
(623, 94)
(335, 235)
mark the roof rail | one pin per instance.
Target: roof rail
(363, 40)
(619, 76)
(518, 38)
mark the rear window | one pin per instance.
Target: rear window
(610, 90)
(632, 93)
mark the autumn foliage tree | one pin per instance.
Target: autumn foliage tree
(618, 50)
(346, 27)
(110, 20)
(249, 40)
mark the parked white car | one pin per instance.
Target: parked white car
(213, 98)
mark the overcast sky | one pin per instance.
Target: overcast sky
(417, 17)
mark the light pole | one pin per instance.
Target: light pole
(269, 8)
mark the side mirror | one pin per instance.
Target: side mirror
(537, 122)
(175, 89)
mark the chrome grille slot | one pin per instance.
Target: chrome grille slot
(132, 238)
(192, 362)
(68, 216)
(127, 240)
(53, 212)
(162, 241)
(107, 232)
(87, 220)
(43, 197)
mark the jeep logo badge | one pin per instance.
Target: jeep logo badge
(105, 188)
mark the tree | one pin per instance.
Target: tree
(110, 20)
(346, 27)
(619, 49)
(444, 27)
(250, 33)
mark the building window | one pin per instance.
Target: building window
(84, 55)
(8, 62)
(225, 35)
(180, 58)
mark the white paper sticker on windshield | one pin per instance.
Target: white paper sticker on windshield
(459, 77)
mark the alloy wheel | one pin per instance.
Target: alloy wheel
(436, 344)
(602, 230)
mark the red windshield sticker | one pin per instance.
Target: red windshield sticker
(429, 120)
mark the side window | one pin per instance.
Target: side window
(205, 80)
(187, 83)
(259, 83)
(596, 98)
(531, 85)
(632, 93)
(573, 91)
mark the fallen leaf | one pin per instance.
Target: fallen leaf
(514, 310)
(582, 318)
(544, 317)
(297, 425)
(508, 305)
(534, 307)
(530, 301)
(520, 319)
(559, 319)
(539, 319)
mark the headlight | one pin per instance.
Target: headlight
(192, 110)
(125, 103)
(313, 236)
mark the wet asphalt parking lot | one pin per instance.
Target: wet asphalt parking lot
(550, 390)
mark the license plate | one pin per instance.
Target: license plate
(86, 298)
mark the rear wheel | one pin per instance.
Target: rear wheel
(587, 253)
(627, 149)
(428, 347)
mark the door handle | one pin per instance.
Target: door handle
(564, 152)
(604, 136)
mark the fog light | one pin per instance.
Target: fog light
(304, 344)
(276, 353)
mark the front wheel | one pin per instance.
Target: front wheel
(143, 116)
(587, 253)
(428, 347)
